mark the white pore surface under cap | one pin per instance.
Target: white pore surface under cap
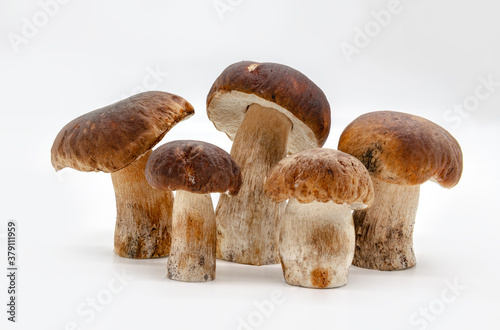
(227, 110)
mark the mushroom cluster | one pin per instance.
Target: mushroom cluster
(355, 205)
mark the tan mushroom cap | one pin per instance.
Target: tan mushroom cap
(273, 86)
(403, 149)
(110, 138)
(321, 175)
(194, 166)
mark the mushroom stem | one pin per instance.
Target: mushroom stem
(247, 223)
(192, 255)
(384, 232)
(143, 214)
(316, 244)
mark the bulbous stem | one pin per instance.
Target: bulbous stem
(316, 244)
(247, 223)
(192, 256)
(144, 214)
(384, 232)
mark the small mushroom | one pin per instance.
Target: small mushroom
(401, 151)
(317, 231)
(194, 169)
(268, 110)
(117, 139)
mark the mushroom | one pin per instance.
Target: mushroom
(117, 139)
(194, 169)
(401, 151)
(268, 110)
(316, 244)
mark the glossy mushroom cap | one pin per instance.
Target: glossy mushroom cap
(403, 149)
(274, 86)
(194, 166)
(110, 138)
(321, 175)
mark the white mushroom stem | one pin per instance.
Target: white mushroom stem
(316, 244)
(192, 255)
(247, 223)
(384, 232)
(143, 214)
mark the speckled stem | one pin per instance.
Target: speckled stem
(316, 244)
(192, 256)
(384, 232)
(144, 214)
(247, 231)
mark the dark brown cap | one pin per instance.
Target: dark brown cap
(193, 166)
(321, 175)
(274, 86)
(403, 149)
(110, 138)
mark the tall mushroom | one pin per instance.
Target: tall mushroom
(401, 151)
(317, 231)
(195, 169)
(268, 110)
(117, 139)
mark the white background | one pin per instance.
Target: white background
(429, 59)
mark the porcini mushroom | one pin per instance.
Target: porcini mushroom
(194, 169)
(117, 139)
(268, 110)
(316, 244)
(401, 151)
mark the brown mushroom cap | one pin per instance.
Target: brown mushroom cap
(272, 86)
(321, 175)
(110, 138)
(194, 166)
(403, 149)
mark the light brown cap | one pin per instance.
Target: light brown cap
(110, 138)
(321, 175)
(194, 166)
(273, 86)
(403, 149)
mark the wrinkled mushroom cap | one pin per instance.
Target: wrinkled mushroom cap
(110, 138)
(273, 86)
(403, 149)
(194, 166)
(321, 175)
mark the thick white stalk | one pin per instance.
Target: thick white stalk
(144, 214)
(247, 224)
(384, 232)
(192, 254)
(316, 244)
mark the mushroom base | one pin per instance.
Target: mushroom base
(143, 214)
(247, 224)
(192, 255)
(384, 232)
(316, 244)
